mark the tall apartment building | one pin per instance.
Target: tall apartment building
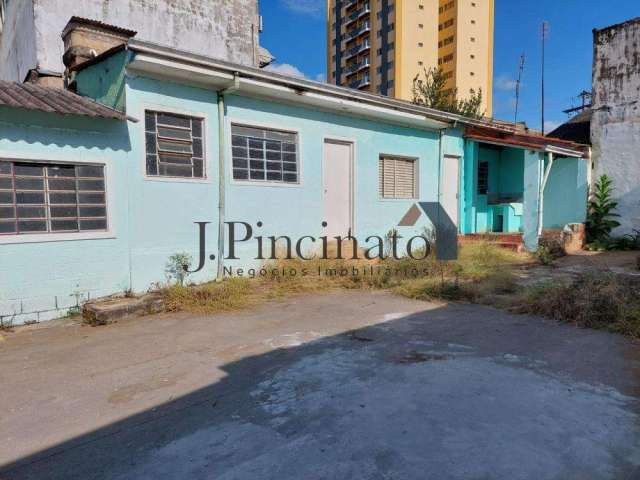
(30, 30)
(465, 46)
(381, 45)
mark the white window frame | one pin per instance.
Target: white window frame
(205, 141)
(241, 122)
(110, 233)
(416, 179)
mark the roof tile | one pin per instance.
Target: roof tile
(53, 100)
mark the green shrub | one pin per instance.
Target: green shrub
(601, 217)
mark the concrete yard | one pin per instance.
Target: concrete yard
(351, 385)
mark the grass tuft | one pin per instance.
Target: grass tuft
(215, 297)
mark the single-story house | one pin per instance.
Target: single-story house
(99, 187)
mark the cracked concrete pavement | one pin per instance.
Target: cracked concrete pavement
(354, 384)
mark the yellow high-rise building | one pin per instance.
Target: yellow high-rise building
(381, 45)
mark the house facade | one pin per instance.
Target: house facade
(197, 143)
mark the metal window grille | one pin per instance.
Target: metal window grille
(51, 198)
(174, 145)
(264, 155)
(397, 177)
(483, 178)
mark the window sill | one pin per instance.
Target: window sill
(177, 180)
(54, 237)
(249, 183)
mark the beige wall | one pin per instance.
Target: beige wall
(472, 49)
(416, 42)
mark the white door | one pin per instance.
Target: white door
(337, 187)
(450, 187)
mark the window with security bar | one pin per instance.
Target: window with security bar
(264, 155)
(174, 145)
(397, 177)
(51, 198)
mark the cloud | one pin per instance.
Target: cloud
(305, 7)
(505, 84)
(286, 69)
(321, 77)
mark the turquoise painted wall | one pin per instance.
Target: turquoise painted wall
(39, 281)
(297, 210)
(565, 195)
(511, 174)
(163, 210)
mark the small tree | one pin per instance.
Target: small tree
(601, 217)
(177, 267)
(429, 91)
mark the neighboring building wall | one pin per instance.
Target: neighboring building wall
(615, 125)
(17, 41)
(225, 29)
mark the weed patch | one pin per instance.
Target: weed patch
(595, 300)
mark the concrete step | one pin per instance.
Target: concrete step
(104, 312)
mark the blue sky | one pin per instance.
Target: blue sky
(294, 31)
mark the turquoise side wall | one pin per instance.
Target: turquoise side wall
(105, 81)
(39, 281)
(565, 195)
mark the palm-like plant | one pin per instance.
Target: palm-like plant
(601, 217)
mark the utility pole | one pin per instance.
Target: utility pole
(545, 35)
(518, 84)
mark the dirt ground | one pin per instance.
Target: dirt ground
(354, 384)
(569, 266)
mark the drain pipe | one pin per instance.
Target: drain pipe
(234, 86)
(542, 187)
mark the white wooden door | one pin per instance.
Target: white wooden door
(337, 187)
(450, 187)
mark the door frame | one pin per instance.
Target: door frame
(352, 174)
(459, 197)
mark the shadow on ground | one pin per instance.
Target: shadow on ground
(457, 392)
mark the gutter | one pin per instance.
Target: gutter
(306, 86)
(547, 172)
(232, 87)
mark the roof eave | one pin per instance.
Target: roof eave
(217, 73)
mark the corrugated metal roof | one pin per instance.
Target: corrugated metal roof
(52, 100)
(530, 141)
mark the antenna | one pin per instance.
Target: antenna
(545, 35)
(586, 98)
(518, 85)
